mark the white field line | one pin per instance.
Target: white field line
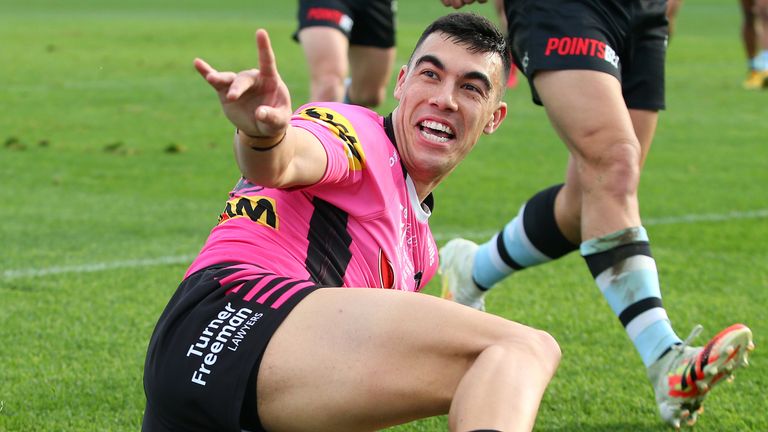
(184, 259)
(96, 267)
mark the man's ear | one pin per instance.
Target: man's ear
(400, 79)
(497, 117)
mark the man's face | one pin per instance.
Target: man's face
(448, 98)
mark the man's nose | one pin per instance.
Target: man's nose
(445, 99)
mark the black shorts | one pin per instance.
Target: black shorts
(364, 22)
(624, 38)
(203, 357)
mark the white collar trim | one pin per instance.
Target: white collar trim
(420, 209)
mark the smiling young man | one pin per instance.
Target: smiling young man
(281, 324)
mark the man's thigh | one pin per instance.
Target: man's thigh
(586, 108)
(359, 358)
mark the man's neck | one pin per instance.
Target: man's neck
(395, 134)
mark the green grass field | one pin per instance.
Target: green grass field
(115, 161)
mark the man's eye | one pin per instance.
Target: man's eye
(474, 88)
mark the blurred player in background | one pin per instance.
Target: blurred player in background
(350, 48)
(597, 67)
(754, 35)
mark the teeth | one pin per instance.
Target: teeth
(437, 126)
(434, 138)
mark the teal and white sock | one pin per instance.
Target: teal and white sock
(626, 274)
(531, 238)
(506, 252)
(761, 62)
(752, 63)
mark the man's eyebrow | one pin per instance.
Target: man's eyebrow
(428, 58)
(474, 75)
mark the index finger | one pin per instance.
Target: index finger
(267, 64)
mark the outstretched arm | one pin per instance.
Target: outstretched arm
(268, 150)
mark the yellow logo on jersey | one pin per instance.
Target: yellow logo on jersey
(341, 127)
(259, 209)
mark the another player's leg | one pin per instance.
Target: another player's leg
(609, 150)
(673, 7)
(531, 238)
(609, 164)
(371, 53)
(754, 38)
(325, 49)
(607, 155)
(364, 359)
(762, 55)
(370, 71)
(683, 376)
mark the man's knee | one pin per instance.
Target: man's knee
(328, 87)
(613, 168)
(367, 96)
(536, 344)
(547, 349)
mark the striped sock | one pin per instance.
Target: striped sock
(626, 274)
(531, 238)
(753, 63)
(761, 62)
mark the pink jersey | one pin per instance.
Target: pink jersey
(361, 225)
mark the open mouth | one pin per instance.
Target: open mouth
(436, 132)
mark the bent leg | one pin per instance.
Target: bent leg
(644, 123)
(370, 70)
(325, 49)
(364, 359)
(588, 111)
(568, 202)
(608, 144)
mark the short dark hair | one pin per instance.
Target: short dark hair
(475, 32)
